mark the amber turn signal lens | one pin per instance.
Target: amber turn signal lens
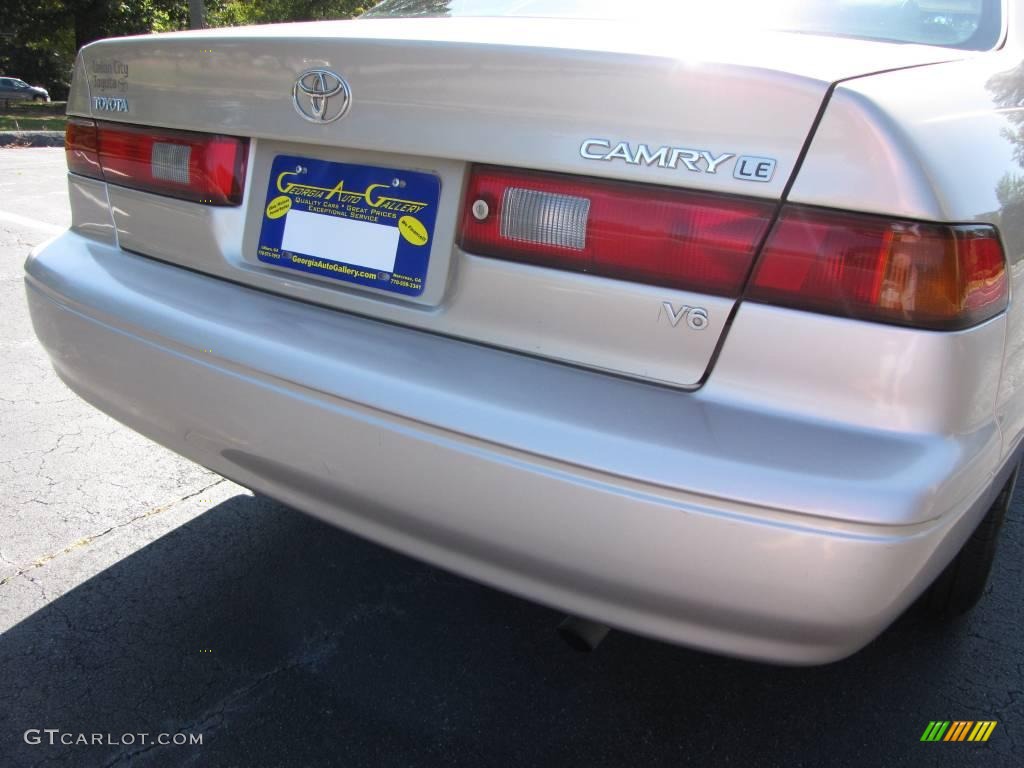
(937, 276)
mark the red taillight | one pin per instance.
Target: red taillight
(80, 147)
(936, 276)
(204, 168)
(657, 235)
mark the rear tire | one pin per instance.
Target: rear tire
(961, 585)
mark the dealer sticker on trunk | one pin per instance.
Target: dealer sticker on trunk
(357, 223)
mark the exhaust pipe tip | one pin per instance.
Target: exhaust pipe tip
(582, 635)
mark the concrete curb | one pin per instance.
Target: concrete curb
(31, 138)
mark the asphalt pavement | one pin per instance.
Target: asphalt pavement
(141, 594)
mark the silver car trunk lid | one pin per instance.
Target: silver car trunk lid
(433, 96)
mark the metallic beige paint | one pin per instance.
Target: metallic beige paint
(655, 511)
(432, 95)
(789, 509)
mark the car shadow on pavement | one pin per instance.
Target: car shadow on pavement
(285, 642)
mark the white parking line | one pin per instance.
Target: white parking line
(25, 221)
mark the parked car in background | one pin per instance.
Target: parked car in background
(700, 320)
(13, 89)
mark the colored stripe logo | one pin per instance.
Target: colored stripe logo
(958, 730)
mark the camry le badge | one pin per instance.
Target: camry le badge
(694, 160)
(321, 96)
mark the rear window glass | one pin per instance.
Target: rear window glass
(973, 24)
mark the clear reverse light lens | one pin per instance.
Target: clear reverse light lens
(170, 162)
(545, 218)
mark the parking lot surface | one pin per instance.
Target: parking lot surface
(141, 594)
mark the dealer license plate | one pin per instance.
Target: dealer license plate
(357, 223)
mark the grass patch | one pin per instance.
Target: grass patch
(27, 116)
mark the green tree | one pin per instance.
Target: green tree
(418, 7)
(39, 38)
(235, 12)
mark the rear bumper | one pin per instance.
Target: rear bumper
(595, 495)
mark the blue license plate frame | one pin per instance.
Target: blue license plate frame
(349, 215)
